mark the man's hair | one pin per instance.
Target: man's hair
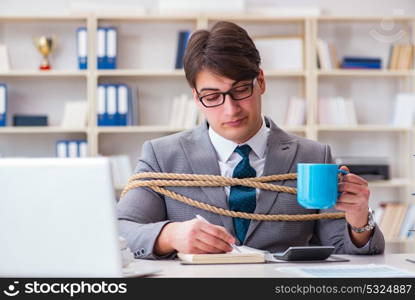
(226, 50)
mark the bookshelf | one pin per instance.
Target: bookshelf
(146, 54)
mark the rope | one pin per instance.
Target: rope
(156, 182)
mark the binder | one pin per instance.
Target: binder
(181, 47)
(111, 48)
(101, 110)
(111, 105)
(73, 149)
(82, 148)
(3, 104)
(82, 47)
(61, 149)
(101, 47)
(131, 115)
(123, 105)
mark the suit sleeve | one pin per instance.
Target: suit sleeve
(336, 232)
(142, 212)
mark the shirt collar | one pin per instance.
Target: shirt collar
(225, 147)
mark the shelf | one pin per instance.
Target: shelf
(40, 129)
(137, 129)
(301, 129)
(365, 18)
(52, 17)
(392, 183)
(400, 240)
(147, 18)
(180, 73)
(282, 73)
(363, 128)
(141, 73)
(255, 18)
(37, 73)
(360, 72)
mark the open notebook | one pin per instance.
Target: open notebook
(246, 255)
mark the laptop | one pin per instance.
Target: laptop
(58, 219)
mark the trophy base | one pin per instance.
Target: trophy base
(44, 67)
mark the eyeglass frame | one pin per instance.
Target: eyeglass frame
(228, 92)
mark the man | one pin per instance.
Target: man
(222, 68)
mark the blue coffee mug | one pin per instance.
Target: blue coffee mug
(317, 185)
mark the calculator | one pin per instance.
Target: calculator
(305, 253)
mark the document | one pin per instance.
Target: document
(244, 254)
(347, 271)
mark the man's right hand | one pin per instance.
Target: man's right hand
(194, 236)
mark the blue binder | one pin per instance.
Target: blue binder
(82, 48)
(82, 148)
(101, 105)
(61, 149)
(123, 104)
(3, 104)
(101, 48)
(181, 48)
(111, 48)
(111, 105)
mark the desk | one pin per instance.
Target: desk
(173, 268)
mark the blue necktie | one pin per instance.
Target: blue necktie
(242, 198)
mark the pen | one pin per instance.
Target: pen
(203, 219)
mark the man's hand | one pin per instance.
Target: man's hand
(354, 201)
(194, 236)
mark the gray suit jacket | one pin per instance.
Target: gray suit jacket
(142, 213)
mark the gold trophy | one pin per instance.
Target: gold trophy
(45, 45)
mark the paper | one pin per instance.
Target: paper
(369, 270)
(244, 255)
(280, 53)
(75, 114)
(4, 58)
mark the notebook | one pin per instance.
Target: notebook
(246, 255)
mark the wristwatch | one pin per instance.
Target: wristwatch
(369, 226)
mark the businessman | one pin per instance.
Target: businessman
(222, 67)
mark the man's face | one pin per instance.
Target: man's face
(239, 120)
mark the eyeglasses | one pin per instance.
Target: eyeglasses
(237, 93)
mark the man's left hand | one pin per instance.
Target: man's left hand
(354, 199)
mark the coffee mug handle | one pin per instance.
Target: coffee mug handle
(344, 172)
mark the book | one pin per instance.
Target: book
(323, 55)
(71, 148)
(337, 111)
(184, 112)
(111, 101)
(408, 221)
(101, 47)
(246, 255)
(101, 105)
(121, 170)
(4, 58)
(403, 110)
(3, 104)
(280, 53)
(111, 48)
(183, 39)
(82, 48)
(401, 57)
(75, 114)
(296, 111)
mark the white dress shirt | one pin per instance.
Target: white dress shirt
(228, 159)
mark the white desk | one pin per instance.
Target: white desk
(173, 268)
